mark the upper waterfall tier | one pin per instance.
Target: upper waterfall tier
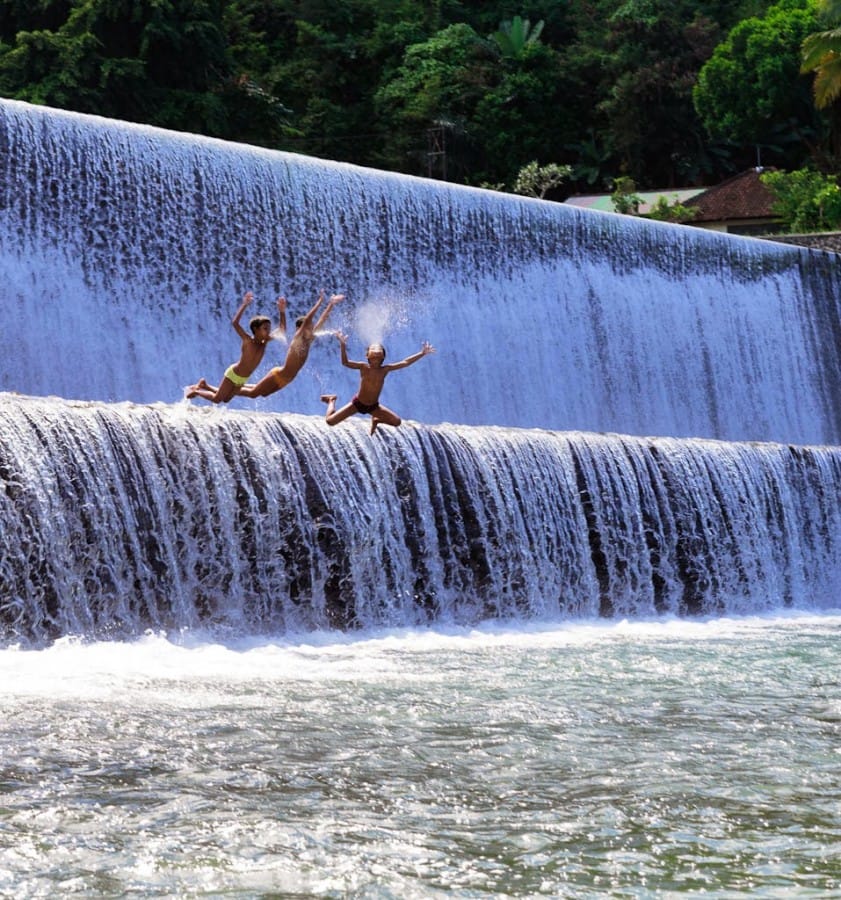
(124, 251)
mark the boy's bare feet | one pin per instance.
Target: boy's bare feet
(193, 390)
(330, 400)
(374, 423)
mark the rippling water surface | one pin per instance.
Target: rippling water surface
(631, 759)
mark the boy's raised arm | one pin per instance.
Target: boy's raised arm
(246, 301)
(425, 349)
(351, 364)
(334, 299)
(281, 315)
(309, 316)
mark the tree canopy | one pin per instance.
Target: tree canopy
(666, 92)
(822, 55)
(752, 82)
(806, 200)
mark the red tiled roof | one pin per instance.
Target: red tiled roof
(743, 196)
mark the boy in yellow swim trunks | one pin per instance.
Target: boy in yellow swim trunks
(253, 348)
(299, 348)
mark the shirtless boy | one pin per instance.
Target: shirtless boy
(371, 377)
(251, 354)
(296, 355)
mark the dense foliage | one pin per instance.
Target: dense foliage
(752, 91)
(460, 89)
(806, 200)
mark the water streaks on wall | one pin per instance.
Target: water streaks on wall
(124, 251)
(122, 517)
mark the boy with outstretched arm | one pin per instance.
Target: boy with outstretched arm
(372, 375)
(251, 354)
(299, 348)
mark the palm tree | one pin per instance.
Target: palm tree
(513, 37)
(821, 54)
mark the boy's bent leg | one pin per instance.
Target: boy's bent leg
(250, 390)
(222, 394)
(268, 384)
(204, 394)
(226, 391)
(330, 400)
(382, 415)
(333, 418)
(200, 385)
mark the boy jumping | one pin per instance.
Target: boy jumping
(371, 378)
(251, 354)
(296, 355)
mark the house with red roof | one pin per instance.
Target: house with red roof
(740, 205)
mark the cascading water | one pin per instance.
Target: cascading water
(123, 253)
(121, 517)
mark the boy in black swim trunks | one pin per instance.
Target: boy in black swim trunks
(371, 377)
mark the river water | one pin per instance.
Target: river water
(621, 758)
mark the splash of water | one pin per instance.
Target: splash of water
(377, 319)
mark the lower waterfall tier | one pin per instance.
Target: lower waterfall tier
(117, 518)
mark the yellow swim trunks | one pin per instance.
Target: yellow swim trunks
(231, 375)
(281, 378)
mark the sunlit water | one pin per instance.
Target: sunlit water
(625, 758)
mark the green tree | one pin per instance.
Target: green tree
(626, 73)
(26, 15)
(515, 35)
(164, 62)
(592, 160)
(805, 200)
(534, 180)
(326, 61)
(603, 85)
(438, 85)
(625, 198)
(521, 116)
(753, 82)
(664, 211)
(656, 50)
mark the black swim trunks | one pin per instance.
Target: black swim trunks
(364, 407)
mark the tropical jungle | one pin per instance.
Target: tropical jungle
(547, 97)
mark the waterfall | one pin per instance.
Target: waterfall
(118, 518)
(124, 251)
(622, 419)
